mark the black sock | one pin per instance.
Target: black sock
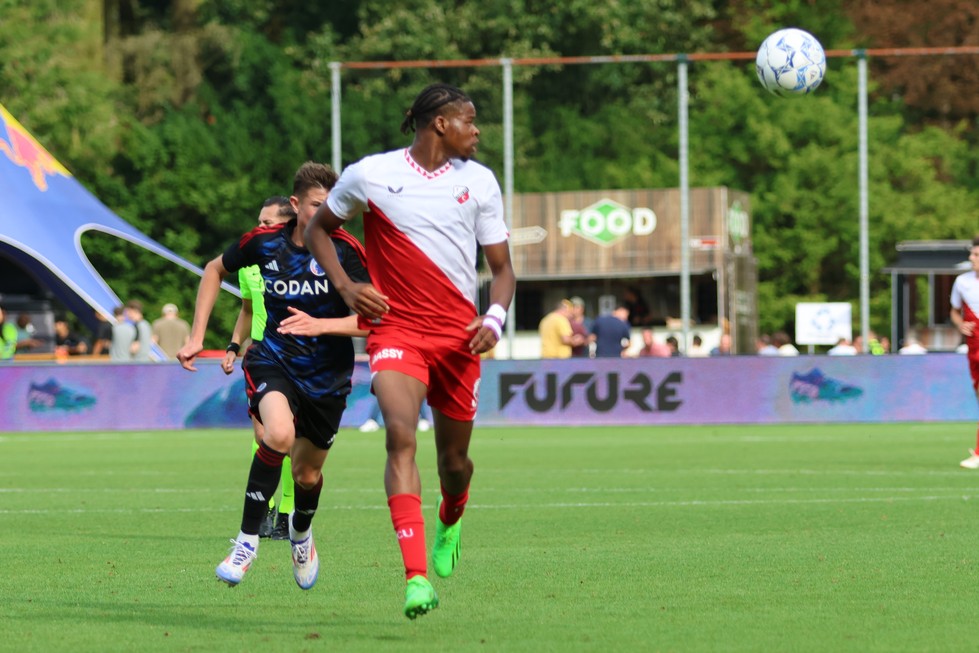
(263, 479)
(306, 503)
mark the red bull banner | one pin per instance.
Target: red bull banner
(25, 152)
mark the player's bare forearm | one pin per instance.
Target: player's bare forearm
(488, 327)
(504, 282)
(303, 324)
(243, 325)
(965, 327)
(207, 294)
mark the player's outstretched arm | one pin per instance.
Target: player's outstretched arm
(303, 324)
(243, 329)
(207, 295)
(489, 326)
(362, 298)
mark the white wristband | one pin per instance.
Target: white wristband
(493, 324)
(498, 312)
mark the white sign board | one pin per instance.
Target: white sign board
(527, 236)
(823, 323)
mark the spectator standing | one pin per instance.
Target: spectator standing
(102, 341)
(144, 332)
(27, 339)
(556, 334)
(843, 348)
(635, 305)
(723, 347)
(611, 333)
(170, 331)
(123, 337)
(697, 348)
(578, 328)
(912, 347)
(68, 340)
(651, 347)
(784, 344)
(764, 346)
(876, 347)
(674, 346)
(8, 337)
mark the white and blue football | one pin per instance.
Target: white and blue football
(790, 62)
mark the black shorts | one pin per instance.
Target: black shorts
(317, 420)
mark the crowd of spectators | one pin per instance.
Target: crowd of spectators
(567, 332)
(126, 337)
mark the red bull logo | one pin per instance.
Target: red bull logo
(21, 148)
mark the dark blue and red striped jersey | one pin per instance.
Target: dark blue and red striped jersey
(318, 365)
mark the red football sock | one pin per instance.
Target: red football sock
(977, 442)
(453, 505)
(406, 515)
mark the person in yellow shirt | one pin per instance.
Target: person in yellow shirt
(556, 334)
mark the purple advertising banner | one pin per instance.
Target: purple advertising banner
(106, 396)
(727, 390)
(724, 390)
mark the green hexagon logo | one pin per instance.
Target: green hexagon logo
(606, 222)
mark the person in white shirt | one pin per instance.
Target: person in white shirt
(912, 347)
(965, 317)
(843, 348)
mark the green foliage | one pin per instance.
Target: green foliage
(183, 126)
(52, 79)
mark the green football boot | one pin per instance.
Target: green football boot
(420, 597)
(448, 544)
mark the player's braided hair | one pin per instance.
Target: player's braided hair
(429, 101)
(283, 203)
(313, 175)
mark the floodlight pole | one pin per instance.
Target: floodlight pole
(864, 199)
(511, 322)
(682, 112)
(335, 105)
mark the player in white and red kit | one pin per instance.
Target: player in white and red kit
(426, 210)
(965, 316)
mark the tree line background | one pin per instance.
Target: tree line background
(183, 115)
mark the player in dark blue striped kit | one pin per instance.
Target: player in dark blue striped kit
(298, 377)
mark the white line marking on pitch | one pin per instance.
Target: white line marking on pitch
(602, 504)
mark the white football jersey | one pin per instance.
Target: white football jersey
(421, 229)
(965, 293)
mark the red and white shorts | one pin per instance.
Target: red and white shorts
(443, 364)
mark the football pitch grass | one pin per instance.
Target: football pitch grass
(858, 537)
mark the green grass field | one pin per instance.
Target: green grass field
(772, 538)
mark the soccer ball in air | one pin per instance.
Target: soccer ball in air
(791, 62)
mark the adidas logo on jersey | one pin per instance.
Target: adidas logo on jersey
(461, 193)
(272, 265)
